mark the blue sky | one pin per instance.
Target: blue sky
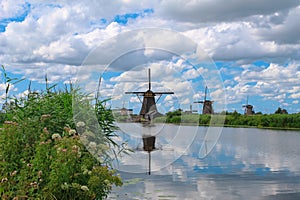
(255, 47)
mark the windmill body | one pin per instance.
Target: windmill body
(207, 105)
(149, 109)
(248, 109)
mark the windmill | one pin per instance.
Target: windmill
(248, 108)
(149, 109)
(207, 104)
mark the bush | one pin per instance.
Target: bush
(50, 166)
(42, 155)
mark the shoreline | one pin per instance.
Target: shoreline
(227, 126)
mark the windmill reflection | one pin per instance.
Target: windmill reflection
(149, 146)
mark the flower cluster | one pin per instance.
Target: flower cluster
(80, 124)
(56, 136)
(44, 117)
(11, 123)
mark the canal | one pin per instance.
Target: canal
(244, 163)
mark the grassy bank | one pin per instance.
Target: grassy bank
(41, 153)
(271, 121)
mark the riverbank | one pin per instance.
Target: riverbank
(272, 121)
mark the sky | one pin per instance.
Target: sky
(246, 49)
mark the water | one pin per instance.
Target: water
(245, 163)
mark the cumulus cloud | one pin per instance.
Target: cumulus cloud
(65, 33)
(10, 9)
(54, 38)
(219, 11)
(285, 32)
(275, 82)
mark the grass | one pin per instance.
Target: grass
(42, 155)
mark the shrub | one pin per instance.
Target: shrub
(42, 155)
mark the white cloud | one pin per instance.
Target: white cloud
(285, 32)
(168, 98)
(3, 88)
(295, 96)
(275, 82)
(56, 36)
(194, 73)
(217, 10)
(10, 9)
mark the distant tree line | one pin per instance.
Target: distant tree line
(280, 119)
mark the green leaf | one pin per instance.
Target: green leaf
(7, 88)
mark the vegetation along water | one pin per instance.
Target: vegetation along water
(235, 119)
(41, 154)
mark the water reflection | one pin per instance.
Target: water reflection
(245, 164)
(171, 142)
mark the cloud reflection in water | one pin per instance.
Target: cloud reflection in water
(245, 164)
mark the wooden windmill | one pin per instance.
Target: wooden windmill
(248, 108)
(149, 109)
(207, 104)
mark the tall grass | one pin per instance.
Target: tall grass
(41, 153)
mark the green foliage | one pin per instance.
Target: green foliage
(174, 117)
(50, 166)
(190, 118)
(42, 155)
(161, 119)
(204, 119)
(281, 111)
(237, 119)
(268, 121)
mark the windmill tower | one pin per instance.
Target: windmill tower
(248, 108)
(149, 109)
(207, 105)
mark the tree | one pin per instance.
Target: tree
(278, 111)
(281, 111)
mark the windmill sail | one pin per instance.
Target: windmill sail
(149, 78)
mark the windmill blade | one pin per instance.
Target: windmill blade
(137, 93)
(149, 78)
(139, 148)
(163, 92)
(198, 101)
(205, 93)
(167, 149)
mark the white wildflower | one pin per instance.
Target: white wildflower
(92, 145)
(84, 188)
(56, 136)
(80, 124)
(72, 132)
(75, 147)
